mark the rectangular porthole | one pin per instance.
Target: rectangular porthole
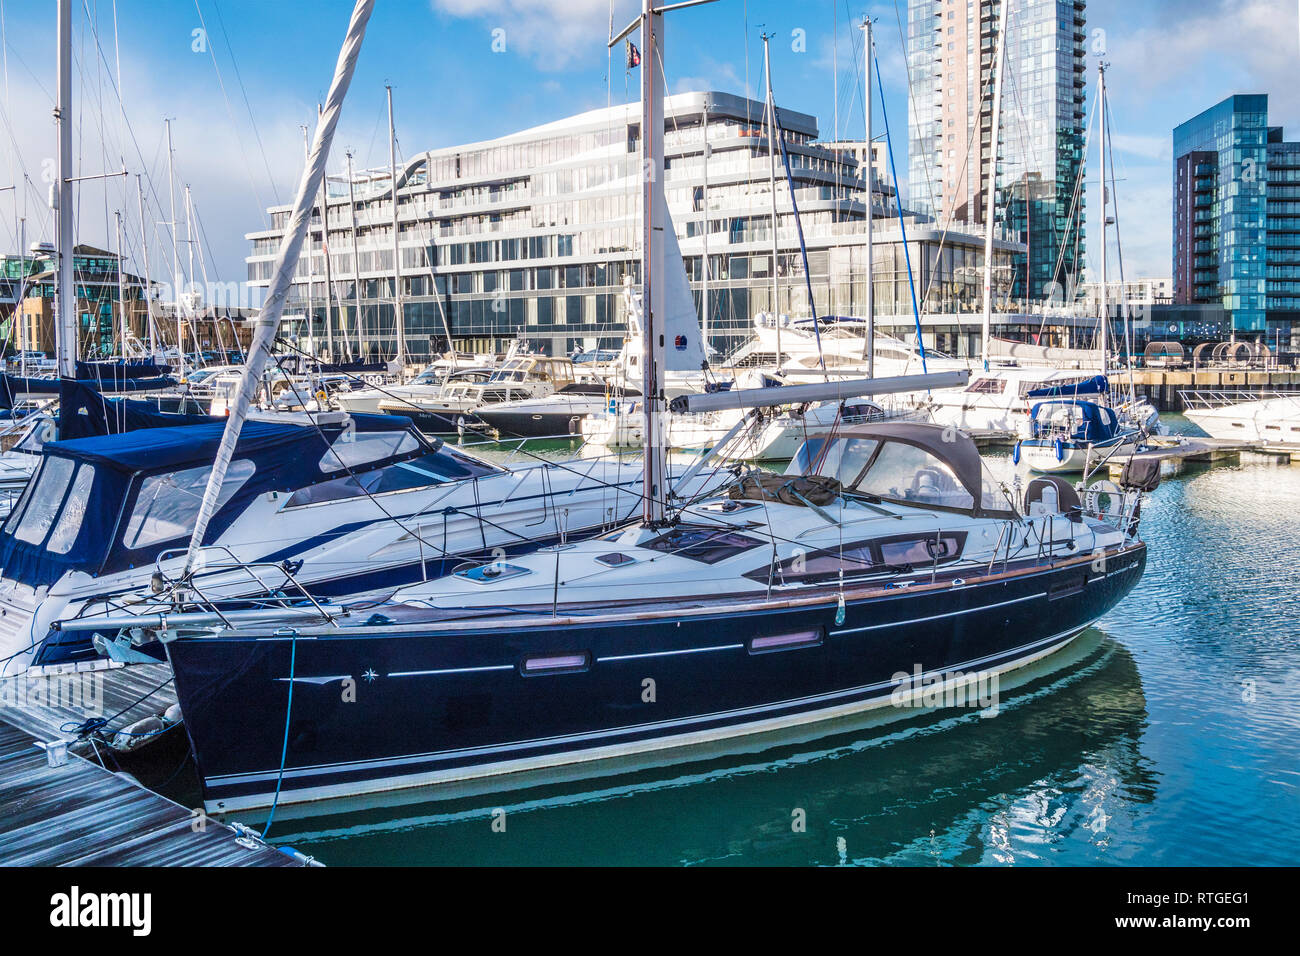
(785, 642)
(1058, 591)
(555, 664)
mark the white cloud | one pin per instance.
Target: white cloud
(555, 34)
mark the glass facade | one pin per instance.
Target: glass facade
(535, 233)
(1230, 214)
(951, 49)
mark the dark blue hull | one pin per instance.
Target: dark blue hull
(436, 703)
(533, 424)
(435, 423)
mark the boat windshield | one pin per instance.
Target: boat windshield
(440, 467)
(902, 472)
(512, 371)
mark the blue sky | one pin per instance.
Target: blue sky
(241, 147)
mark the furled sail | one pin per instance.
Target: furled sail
(683, 344)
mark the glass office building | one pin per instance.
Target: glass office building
(951, 49)
(1236, 209)
(533, 234)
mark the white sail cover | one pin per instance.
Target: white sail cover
(683, 343)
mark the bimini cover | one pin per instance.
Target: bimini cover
(115, 502)
(1091, 422)
(1097, 385)
(85, 412)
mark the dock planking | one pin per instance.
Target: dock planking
(1176, 452)
(45, 704)
(79, 814)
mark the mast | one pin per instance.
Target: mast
(771, 155)
(123, 326)
(990, 197)
(870, 345)
(22, 319)
(399, 315)
(176, 263)
(356, 260)
(1105, 196)
(325, 254)
(311, 260)
(652, 257)
(704, 291)
(286, 263)
(66, 329)
(191, 312)
(148, 282)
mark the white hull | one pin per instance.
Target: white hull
(1273, 420)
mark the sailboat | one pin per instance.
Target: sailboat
(885, 562)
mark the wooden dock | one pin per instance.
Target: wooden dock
(45, 704)
(78, 814)
(1174, 453)
(59, 806)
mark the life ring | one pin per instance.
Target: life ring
(1015, 454)
(1060, 450)
(322, 396)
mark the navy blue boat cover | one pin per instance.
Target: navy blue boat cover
(12, 385)
(284, 456)
(1097, 422)
(84, 412)
(1097, 385)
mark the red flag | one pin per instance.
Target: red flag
(633, 55)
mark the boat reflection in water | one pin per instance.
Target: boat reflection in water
(1058, 766)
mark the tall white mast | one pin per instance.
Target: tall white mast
(1104, 325)
(22, 319)
(122, 322)
(871, 199)
(356, 259)
(311, 260)
(771, 180)
(704, 274)
(991, 189)
(399, 316)
(148, 282)
(325, 254)
(286, 263)
(176, 262)
(652, 257)
(65, 286)
(654, 477)
(192, 298)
